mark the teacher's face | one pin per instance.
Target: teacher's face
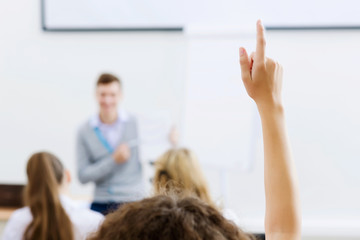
(108, 97)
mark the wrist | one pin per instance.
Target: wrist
(270, 109)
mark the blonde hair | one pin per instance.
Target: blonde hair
(178, 170)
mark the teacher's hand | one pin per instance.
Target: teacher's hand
(121, 154)
(174, 136)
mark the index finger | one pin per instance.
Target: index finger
(260, 42)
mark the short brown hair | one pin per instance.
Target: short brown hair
(168, 218)
(107, 78)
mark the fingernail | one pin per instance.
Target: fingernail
(241, 51)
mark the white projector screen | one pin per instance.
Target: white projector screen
(78, 15)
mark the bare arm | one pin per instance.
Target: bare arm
(262, 78)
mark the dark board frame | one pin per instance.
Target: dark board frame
(181, 28)
(137, 29)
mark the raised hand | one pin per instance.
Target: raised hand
(262, 76)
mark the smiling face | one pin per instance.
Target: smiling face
(108, 97)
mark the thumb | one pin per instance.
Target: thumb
(245, 66)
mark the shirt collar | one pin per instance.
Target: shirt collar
(123, 116)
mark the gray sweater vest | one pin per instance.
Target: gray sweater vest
(113, 182)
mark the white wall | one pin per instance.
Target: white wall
(320, 90)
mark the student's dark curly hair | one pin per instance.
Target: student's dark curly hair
(168, 218)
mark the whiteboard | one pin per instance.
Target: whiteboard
(177, 15)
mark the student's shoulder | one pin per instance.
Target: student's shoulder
(20, 218)
(17, 223)
(78, 208)
(21, 214)
(85, 221)
(86, 218)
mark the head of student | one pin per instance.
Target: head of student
(108, 93)
(180, 169)
(46, 177)
(168, 218)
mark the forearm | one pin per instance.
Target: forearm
(281, 191)
(93, 172)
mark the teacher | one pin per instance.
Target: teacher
(107, 150)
